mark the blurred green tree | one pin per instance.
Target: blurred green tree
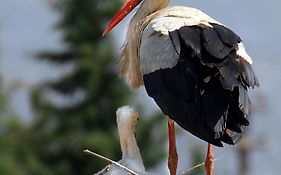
(91, 93)
(16, 156)
(197, 157)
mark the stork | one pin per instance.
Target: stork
(127, 118)
(195, 68)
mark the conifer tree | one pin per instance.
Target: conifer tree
(92, 92)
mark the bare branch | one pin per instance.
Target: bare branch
(197, 166)
(109, 160)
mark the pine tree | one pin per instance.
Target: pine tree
(61, 132)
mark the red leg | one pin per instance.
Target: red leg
(209, 162)
(173, 155)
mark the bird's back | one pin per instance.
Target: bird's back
(174, 17)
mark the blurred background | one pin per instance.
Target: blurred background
(59, 89)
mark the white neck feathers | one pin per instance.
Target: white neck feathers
(130, 52)
(126, 122)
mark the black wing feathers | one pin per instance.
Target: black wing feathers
(214, 45)
(206, 92)
(248, 76)
(227, 36)
(191, 38)
(230, 72)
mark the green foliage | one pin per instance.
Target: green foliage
(60, 133)
(16, 155)
(197, 158)
(53, 143)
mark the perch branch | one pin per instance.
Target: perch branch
(109, 160)
(197, 166)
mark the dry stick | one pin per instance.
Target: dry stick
(197, 166)
(109, 160)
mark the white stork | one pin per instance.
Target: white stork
(195, 68)
(127, 119)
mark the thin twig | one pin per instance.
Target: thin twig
(197, 166)
(109, 160)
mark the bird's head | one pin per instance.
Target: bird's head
(121, 14)
(127, 118)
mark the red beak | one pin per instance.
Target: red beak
(121, 14)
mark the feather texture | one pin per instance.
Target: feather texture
(195, 68)
(126, 118)
(206, 91)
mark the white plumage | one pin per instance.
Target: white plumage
(243, 54)
(165, 56)
(158, 52)
(195, 68)
(131, 158)
(175, 17)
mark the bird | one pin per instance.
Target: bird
(195, 68)
(126, 117)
